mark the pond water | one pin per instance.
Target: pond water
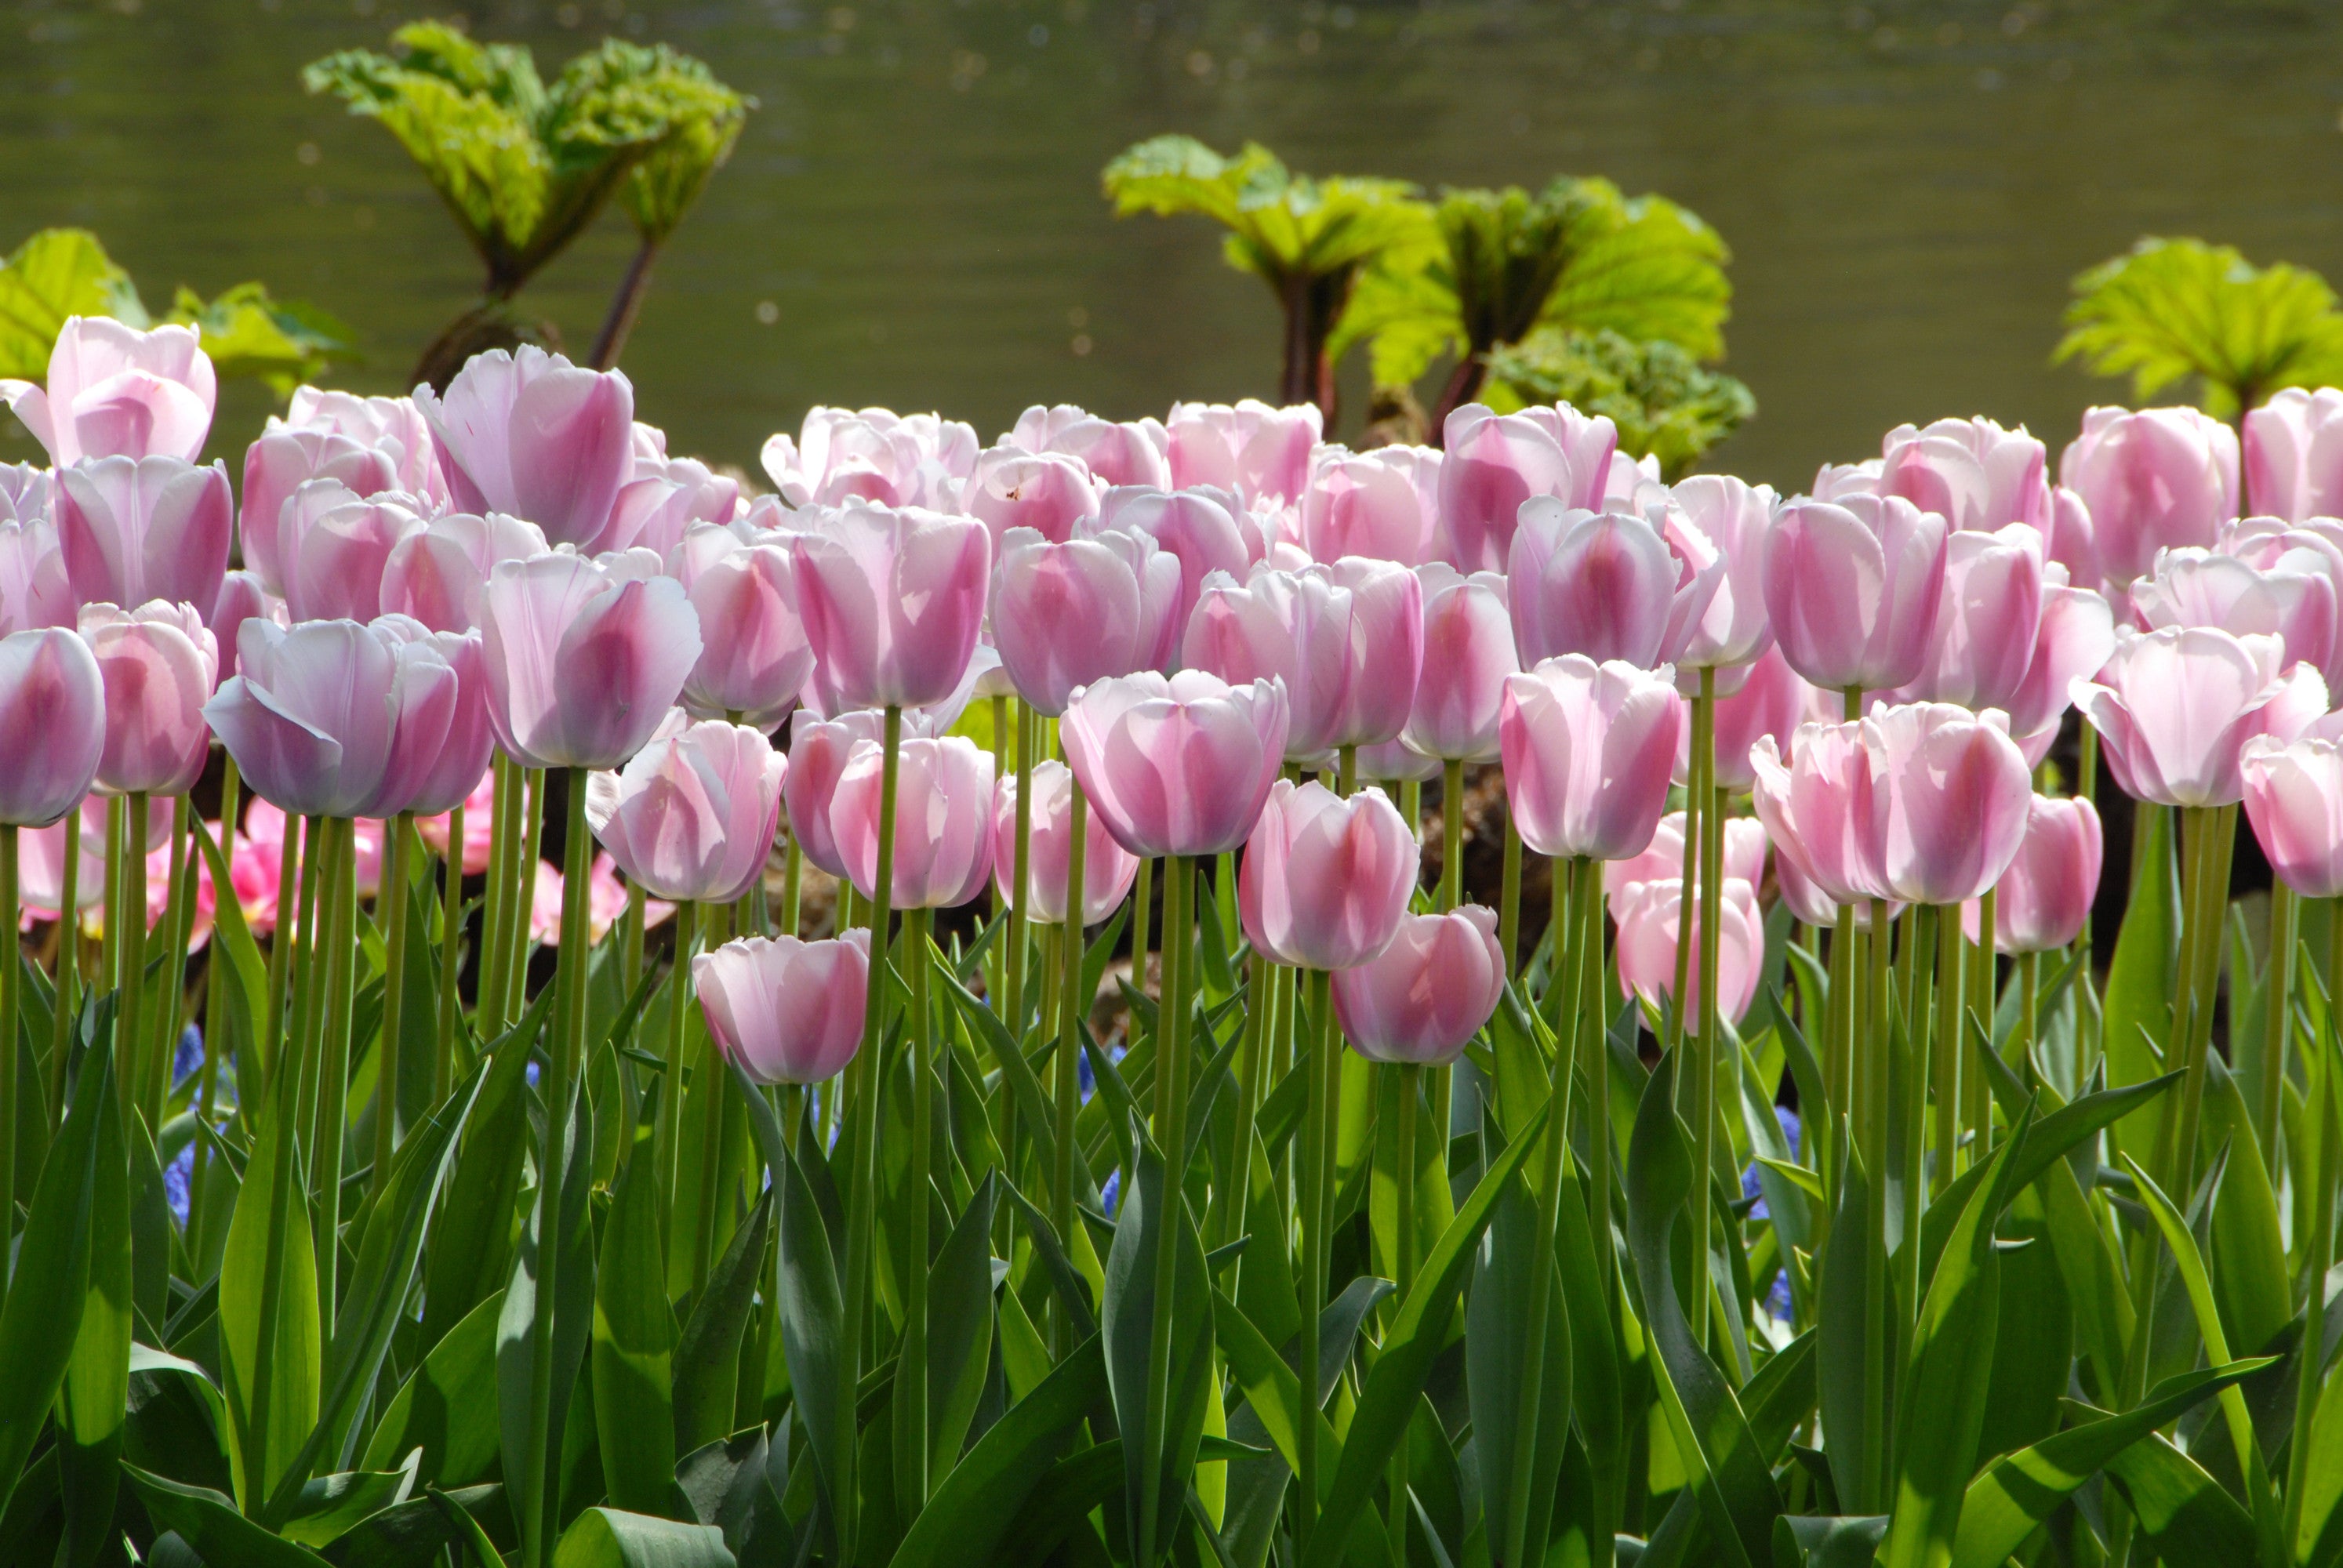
(912, 217)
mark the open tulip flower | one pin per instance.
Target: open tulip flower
(582, 665)
(116, 391)
(1652, 922)
(1369, 504)
(530, 434)
(1347, 641)
(754, 658)
(2294, 454)
(1854, 586)
(1495, 462)
(2044, 899)
(135, 530)
(2174, 708)
(1608, 585)
(1049, 492)
(1126, 452)
(1251, 449)
(1468, 652)
(51, 724)
(158, 663)
(1067, 614)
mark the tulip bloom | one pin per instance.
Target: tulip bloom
(692, 817)
(437, 574)
(392, 427)
(1134, 452)
(1179, 765)
(2294, 454)
(943, 821)
(1988, 619)
(1650, 919)
(134, 529)
(1325, 880)
(1195, 526)
(2294, 799)
(1419, 1000)
(2074, 636)
(2152, 481)
(891, 601)
(158, 663)
(1108, 869)
(115, 391)
(334, 559)
(754, 657)
(1050, 493)
(430, 772)
(1734, 521)
(51, 724)
(1587, 749)
(1663, 860)
(2045, 898)
(1255, 450)
(1494, 462)
(1468, 652)
(582, 667)
(1066, 615)
(530, 434)
(2280, 584)
(286, 458)
(1949, 796)
(1772, 700)
(1607, 585)
(318, 712)
(1346, 640)
(1971, 472)
(843, 455)
(1366, 504)
(2176, 706)
(1817, 809)
(34, 588)
(787, 1011)
(1854, 588)
(666, 497)
(2071, 540)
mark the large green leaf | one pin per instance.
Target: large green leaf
(959, 1328)
(1168, 1424)
(97, 1378)
(56, 273)
(470, 1251)
(271, 1358)
(209, 1522)
(2182, 1511)
(448, 1406)
(608, 1538)
(634, 1339)
(562, 1262)
(707, 1354)
(1505, 1371)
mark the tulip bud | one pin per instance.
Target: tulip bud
(692, 817)
(1428, 992)
(1587, 750)
(943, 827)
(530, 434)
(134, 529)
(1176, 766)
(787, 1011)
(1325, 880)
(2044, 899)
(2152, 481)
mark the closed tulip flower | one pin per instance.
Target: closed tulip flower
(1197, 527)
(1971, 472)
(1325, 880)
(1817, 805)
(1663, 860)
(1177, 765)
(335, 561)
(1587, 749)
(393, 427)
(284, 460)
(819, 750)
(241, 598)
(1065, 615)
(943, 821)
(1049, 492)
(1853, 587)
(1949, 798)
(754, 657)
(437, 573)
(158, 663)
(2072, 641)
(581, 667)
(1365, 504)
(530, 434)
(692, 817)
(2294, 454)
(1988, 619)
(1108, 869)
(431, 771)
(1494, 462)
(1135, 452)
(314, 716)
(1651, 919)
(1255, 450)
(1425, 995)
(34, 588)
(1772, 700)
(115, 391)
(134, 529)
(787, 1011)
(1608, 585)
(2045, 898)
(51, 724)
(843, 455)
(1733, 520)
(1468, 652)
(1347, 640)
(2294, 799)
(892, 600)
(2174, 707)
(2153, 480)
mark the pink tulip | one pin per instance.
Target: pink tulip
(1136, 453)
(1949, 796)
(134, 529)
(430, 770)
(1652, 921)
(2294, 454)
(1365, 504)
(2045, 898)
(116, 391)
(241, 598)
(1818, 810)
(480, 826)
(787, 1011)
(1988, 619)
(1346, 640)
(2174, 707)
(1066, 615)
(1326, 880)
(334, 564)
(665, 498)
(392, 427)
(2070, 539)
(693, 817)
(943, 821)
(1468, 652)
(1734, 520)
(1607, 585)
(530, 434)
(1195, 527)
(1772, 700)
(1494, 462)
(51, 724)
(892, 600)
(819, 750)
(437, 574)
(581, 667)
(1587, 749)
(311, 716)
(2294, 799)
(1108, 869)
(1424, 997)
(2151, 480)
(843, 455)
(1178, 765)
(34, 588)
(1854, 588)
(284, 460)
(1252, 449)
(24, 493)
(2283, 589)
(2073, 640)
(158, 662)
(1971, 472)
(754, 658)
(1662, 859)
(1050, 493)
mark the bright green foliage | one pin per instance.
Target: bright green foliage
(1666, 404)
(2173, 308)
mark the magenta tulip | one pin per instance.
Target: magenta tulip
(1774, 699)
(2294, 799)
(1468, 652)
(134, 529)
(51, 724)
(530, 434)
(115, 391)
(1494, 462)
(1607, 585)
(1108, 869)
(2294, 454)
(1949, 798)
(2174, 707)
(1853, 587)
(692, 817)
(2152, 481)
(943, 821)
(159, 663)
(891, 601)
(582, 667)
(1734, 520)
(1252, 449)
(1988, 619)
(843, 455)
(1325, 880)
(1134, 452)
(1425, 995)
(2045, 898)
(1066, 615)
(1651, 919)
(787, 1011)
(1346, 640)
(1817, 806)
(1176, 765)
(1049, 492)
(1587, 749)
(1971, 472)
(1196, 526)
(1366, 504)
(754, 657)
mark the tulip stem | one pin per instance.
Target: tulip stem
(334, 1067)
(1069, 1017)
(179, 914)
(792, 881)
(1410, 1076)
(1509, 898)
(305, 980)
(668, 1138)
(66, 1016)
(1712, 900)
(488, 983)
(1014, 963)
(451, 947)
(1876, 1102)
(1324, 1086)
(911, 1362)
(1952, 1014)
(2278, 1014)
(215, 1009)
(630, 940)
(1142, 906)
(397, 873)
(130, 980)
(281, 942)
(2029, 982)
(1452, 832)
(532, 825)
(10, 1005)
(1171, 1136)
(1984, 996)
(109, 950)
(1593, 1047)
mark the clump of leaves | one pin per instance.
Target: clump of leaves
(1306, 238)
(2175, 309)
(1666, 404)
(63, 272)
(524, 166)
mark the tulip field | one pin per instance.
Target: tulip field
(1161, 991)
